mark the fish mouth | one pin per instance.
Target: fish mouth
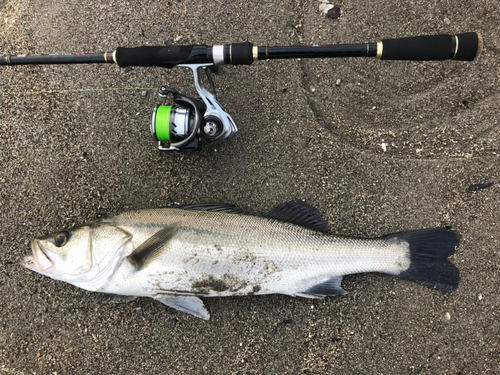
(40, 258)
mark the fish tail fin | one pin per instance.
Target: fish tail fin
(429, 249)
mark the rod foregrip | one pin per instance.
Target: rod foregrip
(463, 47)
(241, 53)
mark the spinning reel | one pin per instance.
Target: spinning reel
(189, 120)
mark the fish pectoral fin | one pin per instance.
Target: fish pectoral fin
(330, 287)
(300, 213)
(189, 304)
(150, 248)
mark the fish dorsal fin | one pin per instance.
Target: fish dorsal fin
(225, 208)
(300, 213)
(150, 248)
(189, 304)
(330, 287)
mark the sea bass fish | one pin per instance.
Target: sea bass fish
(176, 255)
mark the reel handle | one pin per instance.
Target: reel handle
(462, 47)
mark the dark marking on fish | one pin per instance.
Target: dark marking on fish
(475, 187)
(245, 256)
(255, 290)
(209, 284)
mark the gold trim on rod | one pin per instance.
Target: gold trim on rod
(255, 51)
(380, 49)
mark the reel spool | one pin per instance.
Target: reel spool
(178, 124)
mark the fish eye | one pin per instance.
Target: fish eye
(61, 239)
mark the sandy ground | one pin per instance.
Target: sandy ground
(75, 145)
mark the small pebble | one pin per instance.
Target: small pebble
(447, 316)
(337, 83)
(144, 94)
(333, 13)
(325, 7)
(480, 297)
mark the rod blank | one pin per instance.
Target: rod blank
(72, 58)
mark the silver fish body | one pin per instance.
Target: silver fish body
(176, 255)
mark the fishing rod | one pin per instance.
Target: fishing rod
(185, 123)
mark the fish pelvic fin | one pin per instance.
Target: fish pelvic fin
(188, 304)
(153, 246)
(429, 249)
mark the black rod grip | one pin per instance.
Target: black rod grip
(241, 53)
(165, 57)
(463, 47)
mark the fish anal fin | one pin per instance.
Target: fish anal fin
(331, 287)
(300, 213)
(153, 246)
(188, 304)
